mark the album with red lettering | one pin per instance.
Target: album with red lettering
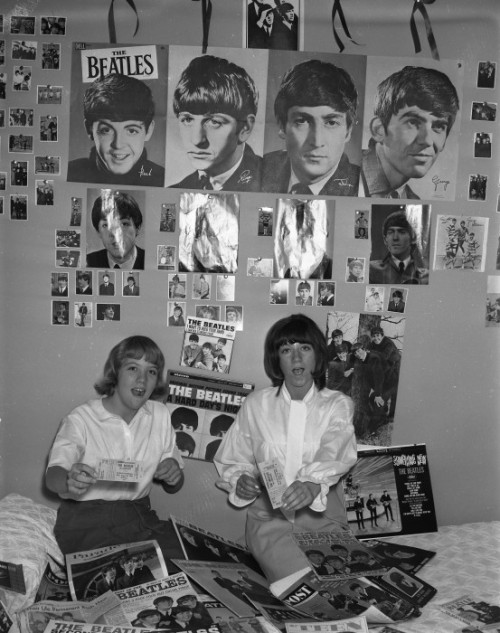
(388, 491)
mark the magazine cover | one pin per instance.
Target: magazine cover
(118, 114)
(478, 613)
(207, 344)
(405, 557)
(54, 584)
(234, 584)
(12, 577)
(350, 624)
(406, 585)
(36, 618)
(94, 572)
(388, 491)
(337, 555)
(6, 621)
(203, 408)
(199, 544)
(460, 243)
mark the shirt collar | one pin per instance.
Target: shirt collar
(307, 398)
(103, 414)
(220, 180)
(127, 264)
(315, 187)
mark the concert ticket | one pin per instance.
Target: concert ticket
(119, 470)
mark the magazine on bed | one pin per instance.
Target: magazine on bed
(388, 491)
(405, 557)
(202, 409)
(342, 626)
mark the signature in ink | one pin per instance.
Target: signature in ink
(438, 183)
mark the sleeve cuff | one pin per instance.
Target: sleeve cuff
(319, 504)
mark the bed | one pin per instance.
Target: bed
(467, 561)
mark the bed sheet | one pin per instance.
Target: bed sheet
(467, 562)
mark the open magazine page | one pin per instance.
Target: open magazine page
(345, 626)
(93, 572)
(207, 344)
(202, 545)
(54, 584)
(35, 618)
(410, 559)
(234, 584)
(337, 555)
(388, 491)
(479, 614)
(203, 407)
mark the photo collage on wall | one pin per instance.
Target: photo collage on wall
(147, 117)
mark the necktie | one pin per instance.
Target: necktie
(116, 266)
(204, 182)
(401, 267)
(301, 189)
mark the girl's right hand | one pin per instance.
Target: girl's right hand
(80, 478)
(247, 487)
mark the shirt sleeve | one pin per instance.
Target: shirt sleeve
(68, 447)
(235, 456)
(337, 451)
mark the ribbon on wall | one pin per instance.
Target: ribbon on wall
(338, 12)
(206, 16)
(419, 5)
(111, 20)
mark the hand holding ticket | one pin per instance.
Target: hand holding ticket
(119, 470)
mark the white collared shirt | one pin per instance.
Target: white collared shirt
(261, 430)
(90, 433)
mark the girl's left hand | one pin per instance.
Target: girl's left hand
(300, 494)
(168, 472)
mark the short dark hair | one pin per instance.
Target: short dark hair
(194, 337)
(337, 333)
(118, 97)
(184, 415)
(296, 328)
(146, 613)
(377, 330)
(185, 442)
(212, 84)
(399, 219)
(316, 83)
(397, 293)
(132, 347)
(363, 342)
(426, 88)
(221, 423)
(304, 285)
(124, 205)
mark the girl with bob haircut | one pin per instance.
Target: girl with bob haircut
(125, 424)
(304, 427)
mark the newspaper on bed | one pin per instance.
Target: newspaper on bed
(406, 557)
(131, 564)
(202, 545)
(36, 617)
(348, 625)
(481, 615)
(337, 555)
(5, 620)
(337, 600)
(60, 626)
(234, 584)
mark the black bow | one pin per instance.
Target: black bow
(111, 20)
(419, 5)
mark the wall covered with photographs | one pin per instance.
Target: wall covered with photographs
(150, 186)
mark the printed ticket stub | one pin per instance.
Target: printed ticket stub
(274, 481)
(119, 470)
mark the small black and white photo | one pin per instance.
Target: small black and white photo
(168, 217)
(176, 313)
(52, 25)
(165, 257)
(278, 291)
(355, 270)
(3, 84)
(18, 207)
(49, 95)
(106, 283)
(19, 173)
(482, 144)
(76, 212)
(326, 293)
(225, 286)
(477, 187)
(265, 222)
(68, 238)
(82, 313)
(304, 293)
(202, 286)
(48, 128)
(483, 111)
(361, 223)
(398, 298)
(177, 286)
(60, 312)
(48, 165)
(273, 24)
(2, 52)
(44, 192)
(22, 25)
(68, 258)
(108, 311)
(234, 315)
(486, 74)
(130, 284)
(59, 284)
(24, 49)
(51, 56)
(3, 180)
(21, 143)
(20, 117)
(21, 78)
(84, 282)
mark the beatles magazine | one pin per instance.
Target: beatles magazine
(388, 491)
(203, 408)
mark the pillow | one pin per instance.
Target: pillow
(27, 539)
